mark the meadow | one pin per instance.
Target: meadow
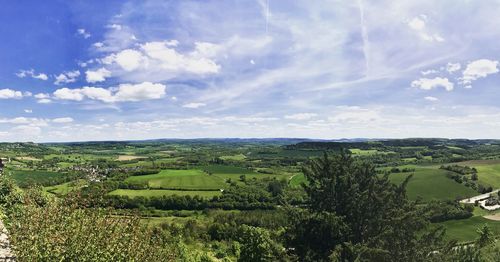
(430, 183)
(190, 179)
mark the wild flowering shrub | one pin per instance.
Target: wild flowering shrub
(43, 229)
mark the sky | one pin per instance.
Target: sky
(127, 70)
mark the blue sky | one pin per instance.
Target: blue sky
(117, 70)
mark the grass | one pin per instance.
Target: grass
(297, 180)
(488, 171)
(465, 230)
(159, 193)
(431, 183)
(180, 179)
(65, 188)
(32, 176)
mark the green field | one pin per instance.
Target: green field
(162, 192)
(432, 183)
(465, 230)
(65, 188)
(180, 179)
(488, 171)
(297, 180)
(32, 176)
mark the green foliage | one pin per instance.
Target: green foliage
(43, 230)
(257, 245)
(355, 214)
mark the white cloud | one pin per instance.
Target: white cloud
(115, 26)
(69, 94)
(431, 98)
(122, 93)
(418, 24)
(129, 59)
(10, 94)
(31, 73)
(137, 92)
(98, 45)
(431, 83)
(452, 67)
(194, 105)
(478, 69)
(62, 120)
(28, 111)
(428, 72)
(82, 32)
(301, 116)
(67, 77)
(98, 75)
(44, 101)
(161, 61)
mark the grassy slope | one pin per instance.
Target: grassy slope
(465, 230)
(431, 183)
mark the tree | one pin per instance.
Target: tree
(354, 214)
(257, 245)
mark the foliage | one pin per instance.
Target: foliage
(354, 214)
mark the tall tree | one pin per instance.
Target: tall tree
(355, 214)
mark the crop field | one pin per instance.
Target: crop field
(233, 172)
(163, 192)
(432, 183)
(180, 179)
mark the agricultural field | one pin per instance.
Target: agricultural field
(432, 184)
(465, 230)
(159, 180)
(193, 179)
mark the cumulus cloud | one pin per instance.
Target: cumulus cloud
(67, 77)
(431, 83)
(194, 105)
(98, 75)
(31, 73)
(10, 94)
(83, 33)
(121, 93)
(478, 69)
(28, 111)
(301, 116)
(418, 24)
(163, 61)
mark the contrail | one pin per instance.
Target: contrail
(364, 36)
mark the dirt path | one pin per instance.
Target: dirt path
(5, 251)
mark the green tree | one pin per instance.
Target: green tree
(257, 245)
(354, 214)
